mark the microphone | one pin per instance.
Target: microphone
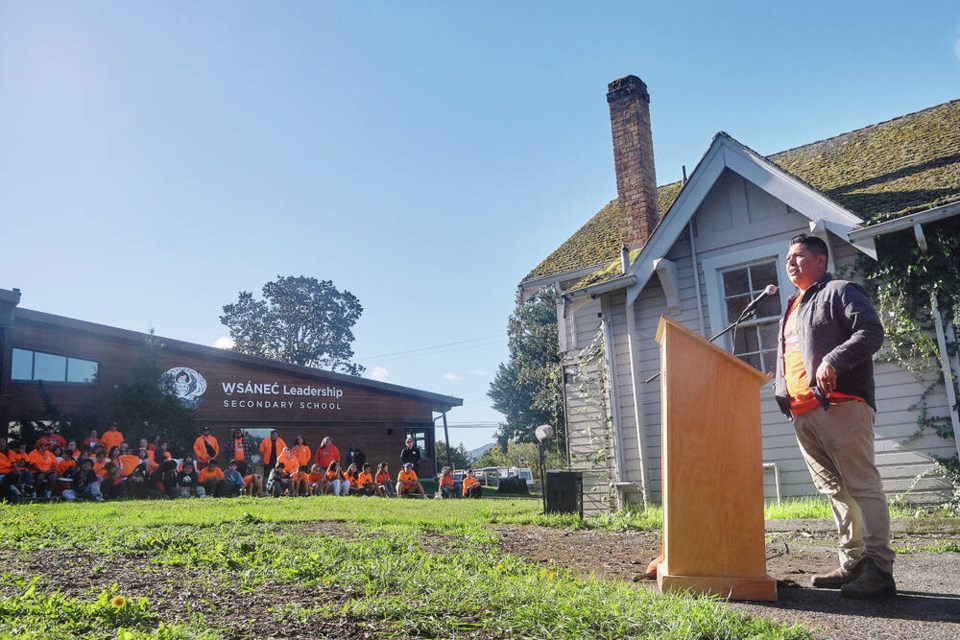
(771, 290)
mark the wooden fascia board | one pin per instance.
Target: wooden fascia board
(530, 287)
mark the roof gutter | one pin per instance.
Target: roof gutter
(595, 290)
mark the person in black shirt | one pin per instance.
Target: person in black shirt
(411, 454)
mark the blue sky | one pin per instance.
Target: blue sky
(158, 158)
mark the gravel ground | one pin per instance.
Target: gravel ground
(928, 604)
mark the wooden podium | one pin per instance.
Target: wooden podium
(713, 533)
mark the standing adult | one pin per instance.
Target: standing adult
(205, 448)
(269, 451)
(828, 336)
(51, 438)
(301, 450)
(411, 454)
(327, 452)
(240, 450)
(111, 437)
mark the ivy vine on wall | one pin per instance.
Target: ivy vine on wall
(904, 281)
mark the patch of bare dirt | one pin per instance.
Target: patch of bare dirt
(928, 604)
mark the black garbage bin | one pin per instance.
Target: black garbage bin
(564, 492)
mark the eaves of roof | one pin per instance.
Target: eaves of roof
(880, 172)
(438, 401)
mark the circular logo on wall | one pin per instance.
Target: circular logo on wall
(187, 385)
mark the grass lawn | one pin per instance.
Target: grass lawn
(320, 567)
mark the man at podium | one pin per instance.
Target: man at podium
(828, 336)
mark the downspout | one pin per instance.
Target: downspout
(635, 382)
(610, 364)
(946, 369)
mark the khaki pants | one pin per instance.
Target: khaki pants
(838, 447)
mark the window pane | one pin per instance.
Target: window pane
(753, 360)
(22, 365)
(747, 340)
(736, 305)
(49, 367)
(735, 281)
(769, 361)
(81, 370)
(763, 274)
(768, 335)
(769, 307)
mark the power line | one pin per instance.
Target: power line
(437, 348)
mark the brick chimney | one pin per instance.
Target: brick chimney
(633, 156)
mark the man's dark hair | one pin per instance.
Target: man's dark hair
(816, 245)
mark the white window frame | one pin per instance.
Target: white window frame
(713, 281)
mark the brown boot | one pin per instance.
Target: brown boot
(837, 578)
(873, 583)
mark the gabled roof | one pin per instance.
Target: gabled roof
(880, 172)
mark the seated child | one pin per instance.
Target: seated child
(445, 484)
(408, 484)
(471, 486)
(384, 483)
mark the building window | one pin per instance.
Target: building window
(50, 367)
(756, 339)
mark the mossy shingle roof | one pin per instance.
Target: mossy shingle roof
(879, 172)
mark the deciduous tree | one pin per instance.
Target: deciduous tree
(300, 320)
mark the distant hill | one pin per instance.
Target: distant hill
(476, 453)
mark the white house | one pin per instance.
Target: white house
(720, 240)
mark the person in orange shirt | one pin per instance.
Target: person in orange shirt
(317, 480)
(471, 486)
(65, 461)
(302, 452)
(290, 466)
(127, 463)
(445, 482)
(327, 453)
(100, 461)
(91, 442)
(43, 465)
(352, 476)
(339, 486)
(270, 449)
(408, 484)
(52, 438)
(112, 437)
(241, 449)
(383, 480)
(206, 447)
(365, 482)
(211, 478)
(253, 485)
(158, 455)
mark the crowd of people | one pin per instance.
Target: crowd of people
(103, 467)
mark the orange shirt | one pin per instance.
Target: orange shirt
(99, 466)
(326, 455)
(383, 477)
(5, 464)
(15, 456)
(289, 460)
(238, 449)
(43, 461)
(446, 481)
(365, 478)
(265, 450)
(210, 473)
(64, 465)
(200, 448)
(128, 463)
(407, 478)
(111, 439)
(315, 477)
(351, 478)
(302, 454)
(469, 482)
